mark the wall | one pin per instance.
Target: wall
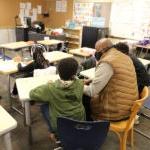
(58, 19)
(105, 12)
(10, 8)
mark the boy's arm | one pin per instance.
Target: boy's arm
(40, 93)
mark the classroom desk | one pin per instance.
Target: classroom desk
(90, 73)
(49, 42)
(7, 123)
(145, 62)
(24, 86)
(14, 46)
(147, 47)
(83, 52)
(143, 46)
(8, 67)
(56, 56)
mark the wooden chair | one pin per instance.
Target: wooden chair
(124, 129)
(7, 123)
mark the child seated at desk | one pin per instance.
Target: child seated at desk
(64, 95)
(39, 62)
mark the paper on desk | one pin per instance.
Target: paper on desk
(45, 72)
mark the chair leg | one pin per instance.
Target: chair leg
(7, 140)
(131, 138)
(120, 136)
(124, 141)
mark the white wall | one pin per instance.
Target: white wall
(7, 36)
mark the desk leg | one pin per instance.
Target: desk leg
(146, 52)
(9, 97)
(3, 49)
(7, 140)
(22, 53)
(28, 120)
(140, 54)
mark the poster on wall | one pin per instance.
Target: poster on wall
(61, 5)
(96, 10)
(39, 9)
(26, 11)
(88, 13)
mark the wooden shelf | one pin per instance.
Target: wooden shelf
(75, 43)
(73, 36)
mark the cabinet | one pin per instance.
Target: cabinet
(73, 36)
(22, 34)
(91, 34)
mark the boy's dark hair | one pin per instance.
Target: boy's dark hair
(67, 68)
(122, 47)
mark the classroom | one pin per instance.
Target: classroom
(74, 74)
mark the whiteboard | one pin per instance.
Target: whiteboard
(130, 18)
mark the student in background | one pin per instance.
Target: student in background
(114, 88)
(143, 79)
(64, 96)
(39, 62)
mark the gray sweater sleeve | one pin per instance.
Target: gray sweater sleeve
(103, 74)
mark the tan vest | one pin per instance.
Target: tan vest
(114, 102)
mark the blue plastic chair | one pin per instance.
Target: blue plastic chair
(85, 135)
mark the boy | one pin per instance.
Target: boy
(64, 96)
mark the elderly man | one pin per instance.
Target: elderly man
(114, 88)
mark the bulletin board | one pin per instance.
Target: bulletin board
(130, 19)
(92, 13)
(58, 18)
(9, 9)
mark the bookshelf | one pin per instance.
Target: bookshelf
(74, 37)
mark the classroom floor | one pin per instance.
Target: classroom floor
(40, 138)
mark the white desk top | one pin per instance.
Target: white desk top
(15, 45)
(8, 67)
(25, 85)
(90, 73)
(84, 51)
(144, 61)
(55, 56)
(49, 42)
(7, 122)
